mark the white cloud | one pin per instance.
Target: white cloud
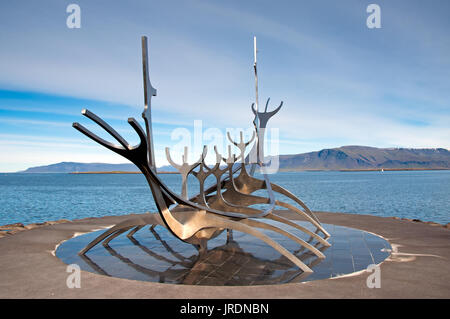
(339, 84)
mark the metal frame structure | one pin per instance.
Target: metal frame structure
(222, 206)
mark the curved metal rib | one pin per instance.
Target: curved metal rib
(248, 184)
(217, 221)
(247, 199)
(254, 223)
(125, 224)
(159, 257)
(115, 234)
(219, 202)
(166, 245)
(136, 229)
(106, 127)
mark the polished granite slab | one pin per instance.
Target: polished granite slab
(156, 255)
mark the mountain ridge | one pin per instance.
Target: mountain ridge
(366, 157)
(351, 157)
(77, 167)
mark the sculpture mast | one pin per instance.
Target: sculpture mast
(149, 91)
(256, 80)
(256, 121)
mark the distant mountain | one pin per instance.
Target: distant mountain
(69, 167)
(364, 157)
(345, 157)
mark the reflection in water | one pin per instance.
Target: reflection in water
(153, 255)
(227, 264)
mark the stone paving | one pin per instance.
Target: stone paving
(418, 266)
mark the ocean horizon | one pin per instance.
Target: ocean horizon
(40, 197)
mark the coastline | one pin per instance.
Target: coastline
(365, 170)
(121, 172)
(290, 170)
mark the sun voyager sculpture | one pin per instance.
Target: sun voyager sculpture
(224, 206)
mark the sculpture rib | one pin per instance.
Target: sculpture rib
(166, 245)
(159, 257)
(254, 223)
(248, 199)
(114, 235)
(124, 224)
(249, 230)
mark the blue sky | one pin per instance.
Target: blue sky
(341, 83)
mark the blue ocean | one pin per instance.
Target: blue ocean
(30, 198)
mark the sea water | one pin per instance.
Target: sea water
(30, 198)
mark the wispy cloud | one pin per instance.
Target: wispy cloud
(341, 82)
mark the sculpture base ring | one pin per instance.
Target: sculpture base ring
(154, 255)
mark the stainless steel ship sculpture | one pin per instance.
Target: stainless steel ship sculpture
(226, 205)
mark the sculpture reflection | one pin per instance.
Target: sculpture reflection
(228, 264)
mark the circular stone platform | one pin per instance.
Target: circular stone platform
(154, 254)
(416, 268)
